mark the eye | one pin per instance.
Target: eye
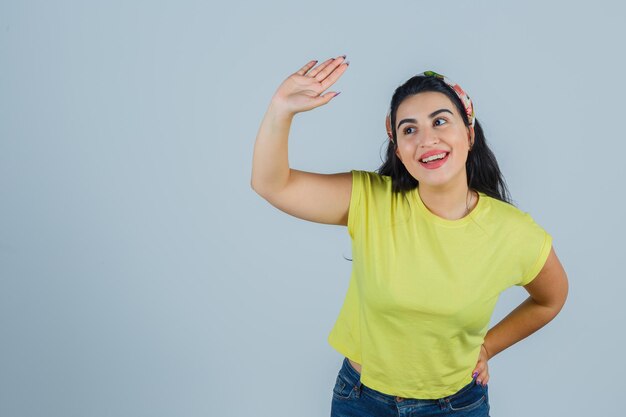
(441, 118)
(405, 130)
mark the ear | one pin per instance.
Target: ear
(388, 127)
(398, 154)
(471, 136)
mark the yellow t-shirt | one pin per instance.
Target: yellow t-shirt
(423, 288)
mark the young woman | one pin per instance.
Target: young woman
(435, 240)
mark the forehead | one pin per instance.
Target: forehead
(422, 104)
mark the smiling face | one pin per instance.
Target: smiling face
(429, 124)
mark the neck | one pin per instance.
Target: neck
(451, 202)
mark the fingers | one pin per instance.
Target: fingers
(309, 79)
(334, 75)
(320, 67)
(481, 370)
(481, 373)
(324, 69)
(307, 67)
(323, 99)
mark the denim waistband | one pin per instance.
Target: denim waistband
(355, 378)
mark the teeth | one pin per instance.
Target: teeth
(433, 157)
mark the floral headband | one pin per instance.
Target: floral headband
(467, 103)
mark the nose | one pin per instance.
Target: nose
(427, 137)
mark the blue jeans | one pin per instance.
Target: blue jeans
(353, 399)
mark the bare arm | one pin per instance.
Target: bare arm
(548, 292)
(322, 198)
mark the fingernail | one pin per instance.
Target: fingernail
(474, 374)
(478, 381)
(344, 56)
(337, 94)
(347, 62)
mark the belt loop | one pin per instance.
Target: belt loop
(358, 388)
(443, 403)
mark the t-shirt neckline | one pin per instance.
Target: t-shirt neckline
(447, 222)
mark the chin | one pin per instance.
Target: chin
(434, 180)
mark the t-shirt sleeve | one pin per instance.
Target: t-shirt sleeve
(537, 245)
(355, 200)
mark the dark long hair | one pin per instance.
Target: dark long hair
(483, 173)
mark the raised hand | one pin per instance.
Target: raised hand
(302, 90)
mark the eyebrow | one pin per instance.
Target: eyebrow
(433, 114)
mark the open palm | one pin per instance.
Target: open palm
(302, 90)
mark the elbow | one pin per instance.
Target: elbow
(565, 291)
(267, 190)
(257, 189)
(560, 295)
(254, 185)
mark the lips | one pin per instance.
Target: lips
(434, 164)
(433, 152)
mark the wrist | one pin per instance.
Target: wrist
(486, 351)
(279, 113)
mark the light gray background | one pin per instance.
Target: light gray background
(140, 275)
